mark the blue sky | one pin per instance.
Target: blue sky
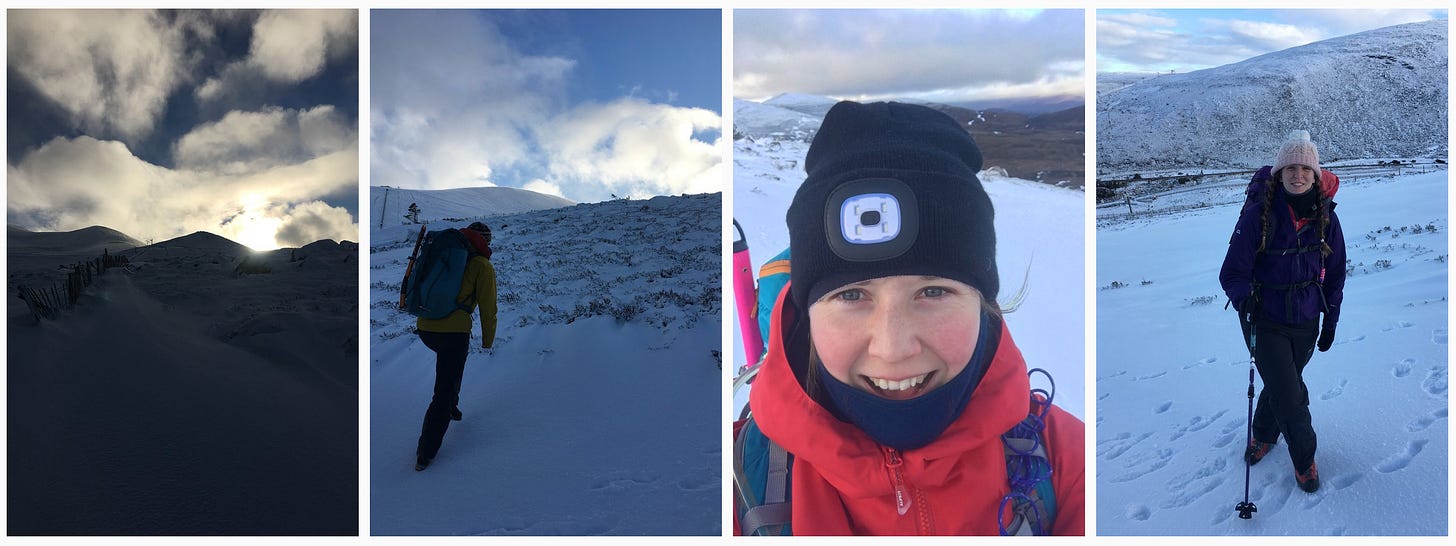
(1184, 40)
(936, 55)
(243, 123)
(585, 104)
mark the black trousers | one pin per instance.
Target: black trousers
(1281, 353)
(450, 349)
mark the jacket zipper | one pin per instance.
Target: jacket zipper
(893, 465)
(904, 493)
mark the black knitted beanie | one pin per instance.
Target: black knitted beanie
(892, 190)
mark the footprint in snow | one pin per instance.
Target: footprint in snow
(622, 479)
(1153, 376)
(1159, 460)
(1338, 390)
(1403, 368)
(1163, 407)
(1225, 440)
(1209, 360)
(1398, 324)
(1435, 382)
(699, 483)
(1439, 336)
(1345, 480)
(1356, 339)
(1337, 532)
(1426, 420)
(1138, 512)
(1402, 459)
(1197, 423)
(1117, 447)
(1104, 396)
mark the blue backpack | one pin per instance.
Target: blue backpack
(432, 287)
(761, 470)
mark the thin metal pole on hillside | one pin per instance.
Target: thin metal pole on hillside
(384, 207)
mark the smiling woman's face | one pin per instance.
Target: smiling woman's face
(1297, 179)
(896, 337)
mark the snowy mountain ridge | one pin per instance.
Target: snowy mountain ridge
(392, 204)
(1380, 93)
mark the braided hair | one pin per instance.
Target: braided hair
(1323, 213)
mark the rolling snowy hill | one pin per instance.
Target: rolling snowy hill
(1039, 231)
(597, 411)
(392, 204)
(202, 389)
(1380, 93)
(1172, 373)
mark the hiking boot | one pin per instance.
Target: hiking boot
(1256, 451)
(455, 414)
(421, 462)
(1309, 479)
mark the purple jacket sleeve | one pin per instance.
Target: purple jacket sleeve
(1237, 273)
(1334, 283)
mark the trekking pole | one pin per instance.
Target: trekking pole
(1246, 509)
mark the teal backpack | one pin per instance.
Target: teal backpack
(762, 468)
(434, 283)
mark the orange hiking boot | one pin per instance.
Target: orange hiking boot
(1309, 479)
(1256, 451)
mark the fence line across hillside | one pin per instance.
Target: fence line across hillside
(48, 301)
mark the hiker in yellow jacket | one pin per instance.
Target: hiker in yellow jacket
(449, 337)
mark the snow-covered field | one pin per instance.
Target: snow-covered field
(1172, 375)
(597, 411)
(1039, 232)
(179, 397)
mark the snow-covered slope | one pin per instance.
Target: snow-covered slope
(1172, 375)
(1039, 229)
(813, 105)
(759, 120)
(597, 411)
(455, 203)
(1380, 93)
(184, 396)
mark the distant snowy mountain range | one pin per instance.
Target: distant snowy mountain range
(392, 204)
(1046, 147)
(1376, 94)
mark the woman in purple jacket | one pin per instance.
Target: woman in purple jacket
(1285, 265)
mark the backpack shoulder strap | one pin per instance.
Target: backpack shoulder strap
(1032, 500)
(761, 482)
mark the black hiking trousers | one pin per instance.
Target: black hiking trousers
(1282, 352)
(450, 348)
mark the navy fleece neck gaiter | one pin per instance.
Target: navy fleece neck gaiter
(909, 424)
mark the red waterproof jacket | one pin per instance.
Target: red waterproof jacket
(844, 483)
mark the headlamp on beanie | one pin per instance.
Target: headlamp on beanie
(875, 219)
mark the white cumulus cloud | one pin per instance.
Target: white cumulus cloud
(291, 45)
(631, 147)
(110, 70)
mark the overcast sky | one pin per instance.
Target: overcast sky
(1188, 40)
(582, 104)
(162, 123)
(938, 55)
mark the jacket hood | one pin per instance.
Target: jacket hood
(1328, 181)
(853, 462)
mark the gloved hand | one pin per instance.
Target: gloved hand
(1246, 305)
(1326, 338)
